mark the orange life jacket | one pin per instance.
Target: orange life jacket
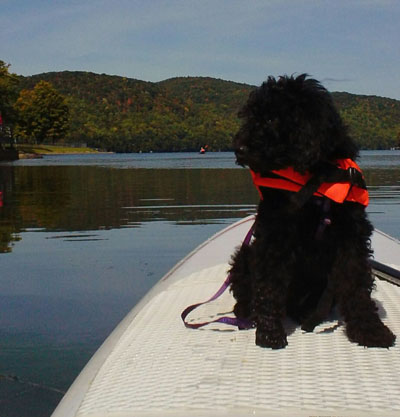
(291, 180)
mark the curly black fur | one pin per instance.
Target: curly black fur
(286, 270)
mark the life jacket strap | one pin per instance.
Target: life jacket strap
(330, 174)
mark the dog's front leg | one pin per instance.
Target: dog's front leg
(270, 307)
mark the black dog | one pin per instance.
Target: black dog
(311, 249)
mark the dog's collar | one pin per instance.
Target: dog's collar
(344, 182)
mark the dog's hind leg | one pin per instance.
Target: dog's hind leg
(363, 325)
(241, 287)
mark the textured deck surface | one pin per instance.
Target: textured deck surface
(161, 368)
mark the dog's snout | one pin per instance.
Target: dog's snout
(241, 153)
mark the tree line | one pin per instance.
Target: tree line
(36, 115)
(181, 114)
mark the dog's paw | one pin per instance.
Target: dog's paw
(370, 334)
(242, 310)
(273, 337)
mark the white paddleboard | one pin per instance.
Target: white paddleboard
(152, 365)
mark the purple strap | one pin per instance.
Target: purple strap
(233, 321)
(326, 219)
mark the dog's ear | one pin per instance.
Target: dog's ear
(341, 147)
(337, 143)
(323, 118)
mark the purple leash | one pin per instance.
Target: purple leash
(233, 321)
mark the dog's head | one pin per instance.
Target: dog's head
(290, 122)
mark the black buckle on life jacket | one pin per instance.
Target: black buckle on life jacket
(325, 220)
(356, 178)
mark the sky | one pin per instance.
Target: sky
(348, 45)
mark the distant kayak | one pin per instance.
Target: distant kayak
(203, 149)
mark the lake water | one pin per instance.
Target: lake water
(84, 237)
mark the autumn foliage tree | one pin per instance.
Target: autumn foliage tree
(8, 92)
(43, 114)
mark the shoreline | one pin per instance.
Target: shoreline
(26, 155)
(38, 151)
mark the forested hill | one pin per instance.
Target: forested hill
(128, 115)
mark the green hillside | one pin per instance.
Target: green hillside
(181, 114)
(374, 121)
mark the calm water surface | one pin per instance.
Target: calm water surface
(84, 237)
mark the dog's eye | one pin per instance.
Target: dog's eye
(242, 149)
(272, 122)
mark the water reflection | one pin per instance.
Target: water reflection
(94, 198)
(54, 198)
